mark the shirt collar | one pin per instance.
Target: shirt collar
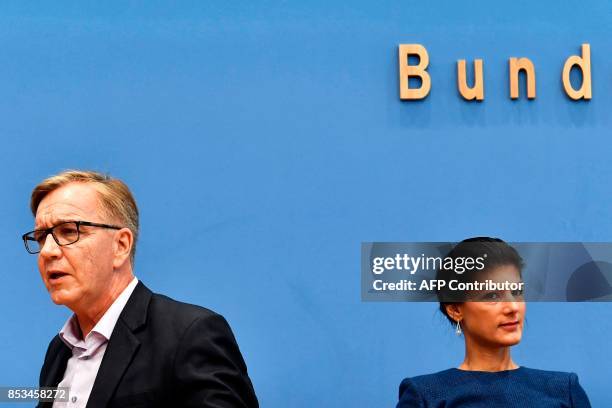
(71, 333)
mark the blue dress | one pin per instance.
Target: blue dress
(520, 388)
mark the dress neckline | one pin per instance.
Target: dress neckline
(519, 368)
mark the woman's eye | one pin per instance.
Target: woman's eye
(518, 292)
(491, 295)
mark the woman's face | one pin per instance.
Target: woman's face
(497, 318)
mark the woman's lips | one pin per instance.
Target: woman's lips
(510, 326)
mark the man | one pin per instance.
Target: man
(124, 346)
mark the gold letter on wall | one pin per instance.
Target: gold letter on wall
(516, 65)
(584, 64)
(477, 91)
(406, 71)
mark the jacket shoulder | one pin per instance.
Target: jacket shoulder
(414, 391)
(164, 303)
(430, 380)
(178, 315)
(204, 357)
(555, 378)
(560, 383)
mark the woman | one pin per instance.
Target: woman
(491, 322)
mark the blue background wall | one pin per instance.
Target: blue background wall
(271, 134)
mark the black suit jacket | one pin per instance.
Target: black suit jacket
(163, 353)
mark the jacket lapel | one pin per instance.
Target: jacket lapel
(53, 370)
(121, 347)
(57, 367)
(118, 355)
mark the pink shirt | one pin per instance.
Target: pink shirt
(87, 353)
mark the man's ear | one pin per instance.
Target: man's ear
(454, 311)
(122, 246)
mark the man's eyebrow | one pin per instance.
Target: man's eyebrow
(55, 222)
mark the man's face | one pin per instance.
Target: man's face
(77, 275)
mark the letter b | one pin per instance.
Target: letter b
(406, 71)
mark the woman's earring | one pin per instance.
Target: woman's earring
(458, 330)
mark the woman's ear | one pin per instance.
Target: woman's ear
(454, 311)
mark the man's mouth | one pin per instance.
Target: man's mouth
(54, 276)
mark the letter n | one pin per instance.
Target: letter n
(524, 64)
(406, 71)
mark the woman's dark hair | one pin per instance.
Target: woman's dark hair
(498, 253)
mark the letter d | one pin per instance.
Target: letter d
(584, 63)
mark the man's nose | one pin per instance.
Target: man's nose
(50, 247)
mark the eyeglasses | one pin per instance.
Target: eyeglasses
(64, 233)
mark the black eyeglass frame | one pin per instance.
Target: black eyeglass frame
(26, 237)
